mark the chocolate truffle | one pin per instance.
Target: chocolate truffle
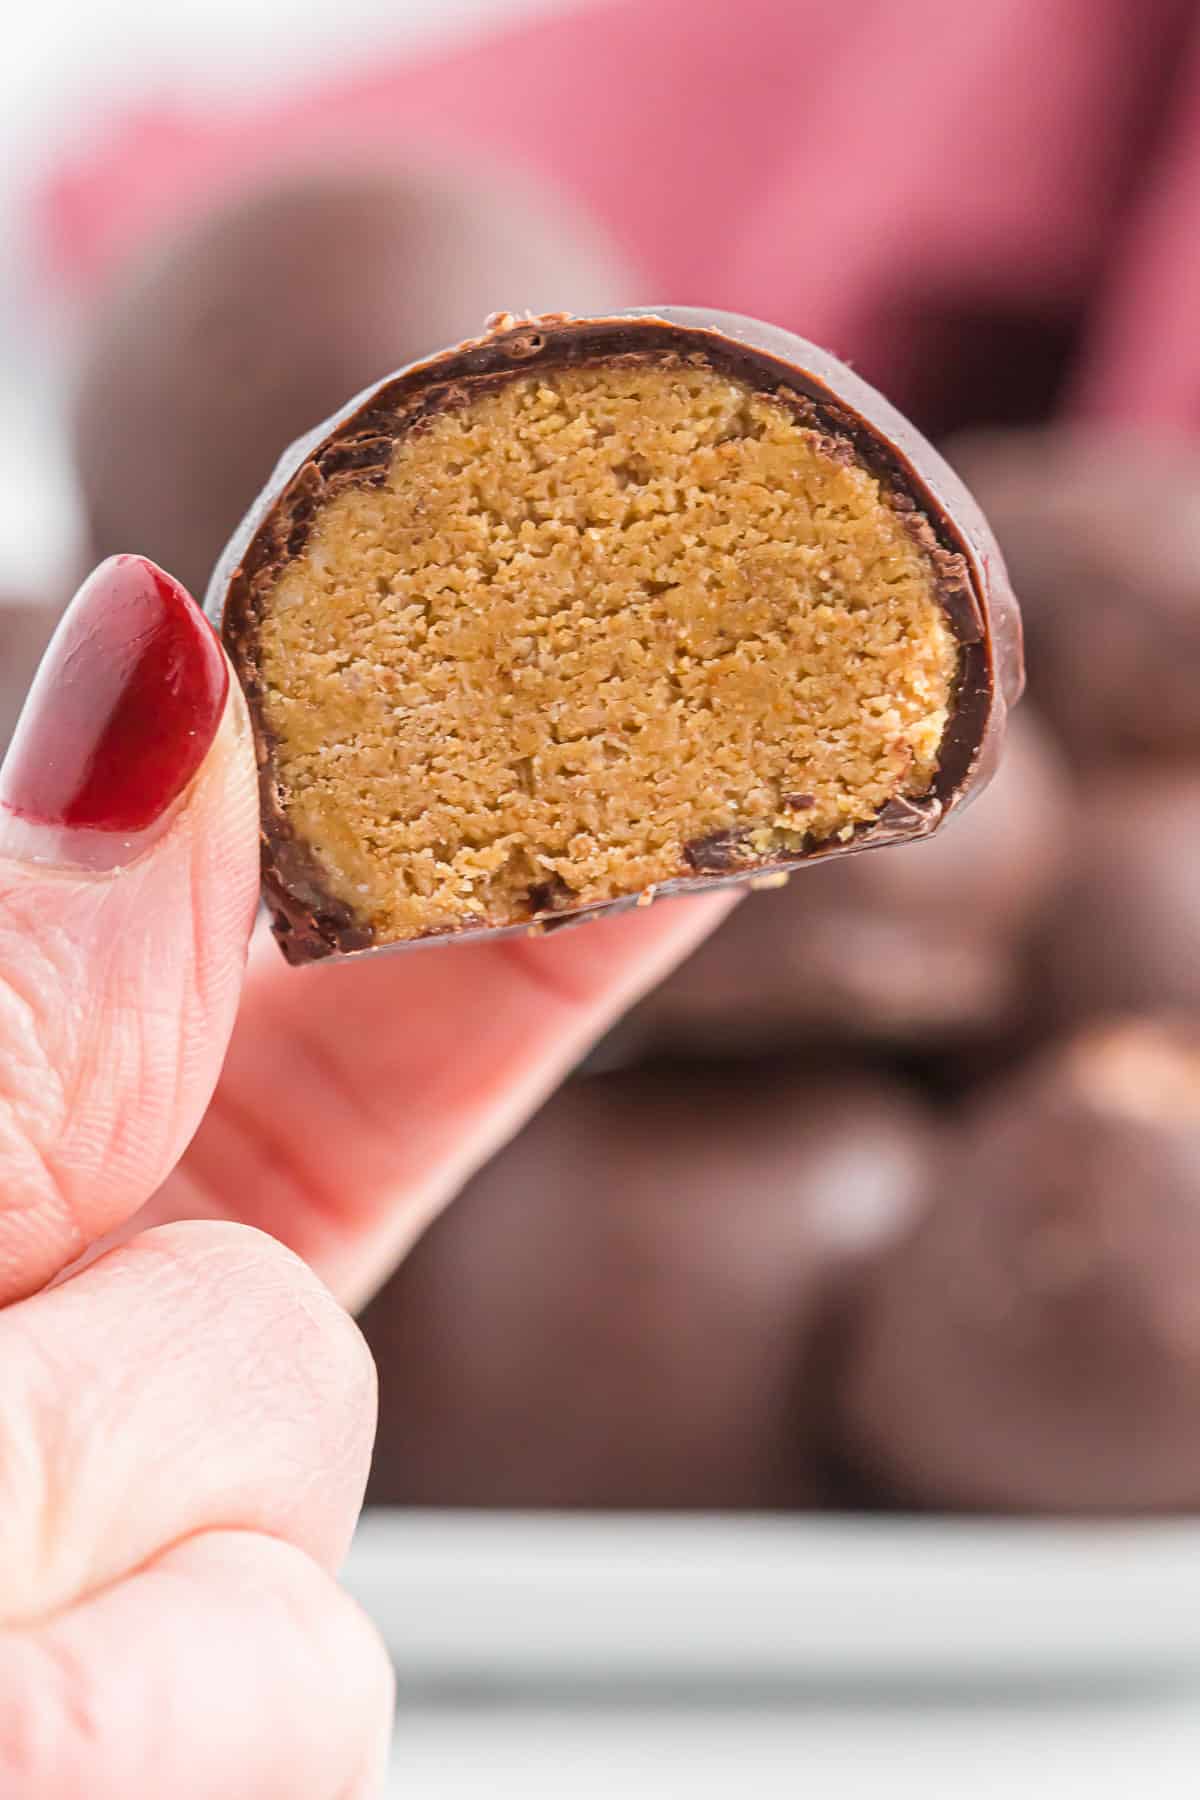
(259, 317)
(589, 609)
(1101, 533)
(1035, 1343)
(925, 945)
(1126, 932)
(625, 1309)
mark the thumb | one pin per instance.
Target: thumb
(128, 877)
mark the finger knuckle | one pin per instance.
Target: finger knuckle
(291, 1330)
(52, 1716)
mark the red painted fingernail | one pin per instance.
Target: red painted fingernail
(120, 717)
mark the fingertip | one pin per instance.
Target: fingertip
(240, 1285)
(121, 967)
(120, 717)
(216, 826)
(233, 1391)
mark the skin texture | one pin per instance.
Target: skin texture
(186, 1413)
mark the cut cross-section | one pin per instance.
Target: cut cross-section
(527, 638)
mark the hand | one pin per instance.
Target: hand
(186, 1411)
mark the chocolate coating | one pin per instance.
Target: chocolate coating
(355, 446)
(927, 944)
(626, 1307)
(258, 317)
(1034, 1344)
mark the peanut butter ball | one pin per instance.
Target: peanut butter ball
(627, 1308)
(1033, 1345)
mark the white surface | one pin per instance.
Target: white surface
(847, 1660)
(1093, 1749)
(497, 1599)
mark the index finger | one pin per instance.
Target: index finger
(127, 880)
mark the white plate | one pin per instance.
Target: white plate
(520, 1598)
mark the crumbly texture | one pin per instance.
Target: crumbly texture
(589, 621)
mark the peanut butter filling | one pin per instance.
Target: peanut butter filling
(591, 619)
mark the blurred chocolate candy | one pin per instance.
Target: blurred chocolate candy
(1101, 533)
(922, 944)
(1125, 933)
(625, 1308)
(260, 318)
(25, 627)
(1035, 1343)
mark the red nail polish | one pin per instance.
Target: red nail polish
(122, 711)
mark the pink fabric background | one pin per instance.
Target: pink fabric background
(911, 182)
